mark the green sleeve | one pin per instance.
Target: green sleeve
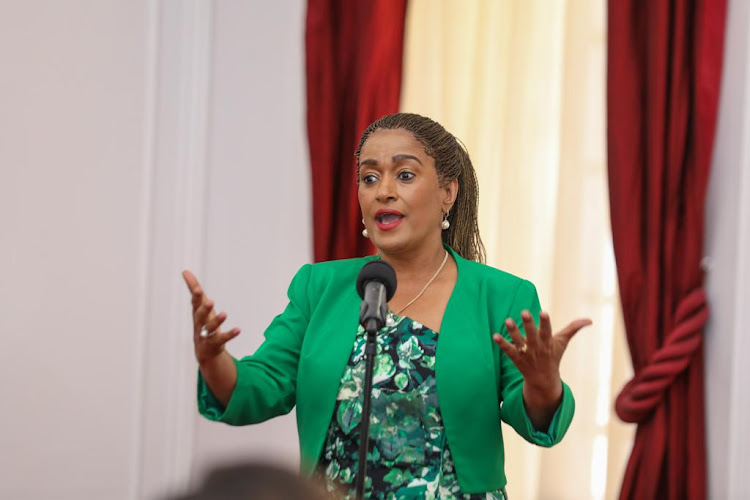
(267, 380)
(513, 410)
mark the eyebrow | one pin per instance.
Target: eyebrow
(394, 159)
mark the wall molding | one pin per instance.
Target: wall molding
(176, 201)
(145, 260)
(739, 442)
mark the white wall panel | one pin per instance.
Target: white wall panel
(179, 211)
(727, 248)
(72, 111)
(138, 138)
(259, 231)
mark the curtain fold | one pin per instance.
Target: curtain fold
(664, 69)
(353, 66)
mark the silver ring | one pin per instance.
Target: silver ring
(205, 333)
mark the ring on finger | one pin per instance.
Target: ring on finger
(523, 348)
(205, 333)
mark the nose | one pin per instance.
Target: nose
(386, 190)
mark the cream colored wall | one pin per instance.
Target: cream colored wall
(137, 138)
(522, 84)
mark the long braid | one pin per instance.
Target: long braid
(452, 161)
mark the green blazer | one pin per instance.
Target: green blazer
(306, 349)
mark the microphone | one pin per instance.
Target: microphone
(376, 285)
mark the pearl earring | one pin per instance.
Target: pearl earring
(364, 231)
(446, 223)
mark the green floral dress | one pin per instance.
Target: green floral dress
(409, 455)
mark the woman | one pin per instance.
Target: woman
(461, 349)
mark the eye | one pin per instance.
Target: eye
(406, 175)
(369, 178)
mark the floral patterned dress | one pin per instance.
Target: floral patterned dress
(409, 455)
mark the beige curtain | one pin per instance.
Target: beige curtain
(522, 82)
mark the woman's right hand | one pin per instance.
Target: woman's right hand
(207, 347)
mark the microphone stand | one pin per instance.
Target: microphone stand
(376, 285)
(364, 424)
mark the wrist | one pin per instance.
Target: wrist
(543, 393)
(209, 360)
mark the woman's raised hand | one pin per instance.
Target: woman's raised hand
(208, 339)
(538, 357)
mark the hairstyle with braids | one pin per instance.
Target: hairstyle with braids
(451, 162)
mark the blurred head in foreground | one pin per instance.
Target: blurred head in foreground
(257, 482)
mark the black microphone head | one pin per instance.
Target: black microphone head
(377, 270)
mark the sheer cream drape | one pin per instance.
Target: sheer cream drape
(522, 82)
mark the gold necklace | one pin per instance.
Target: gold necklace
(445, 259)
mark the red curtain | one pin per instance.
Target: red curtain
(354, 54)
(664, 68)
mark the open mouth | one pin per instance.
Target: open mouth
(388, 219)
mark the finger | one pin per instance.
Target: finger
(530, 328)
(508, 348)
(515, 333)
(195, 289)
(215, 322)
(573, 327)
(545, 327)
(204, 302)
(190, 280)
(220, 338)
(202, 314)
(227, 336)
(198, 298)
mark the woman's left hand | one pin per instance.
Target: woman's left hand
(538, 357)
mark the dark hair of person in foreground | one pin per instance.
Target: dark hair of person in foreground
(257, 482)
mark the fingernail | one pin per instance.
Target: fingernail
(509, 323)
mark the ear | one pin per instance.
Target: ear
(451, 193)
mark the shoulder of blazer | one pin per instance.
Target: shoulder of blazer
(334, 275)
(339, 269)
(496, 279)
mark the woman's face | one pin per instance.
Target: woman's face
(400, 197)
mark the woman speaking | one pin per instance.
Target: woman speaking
(464, 345)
